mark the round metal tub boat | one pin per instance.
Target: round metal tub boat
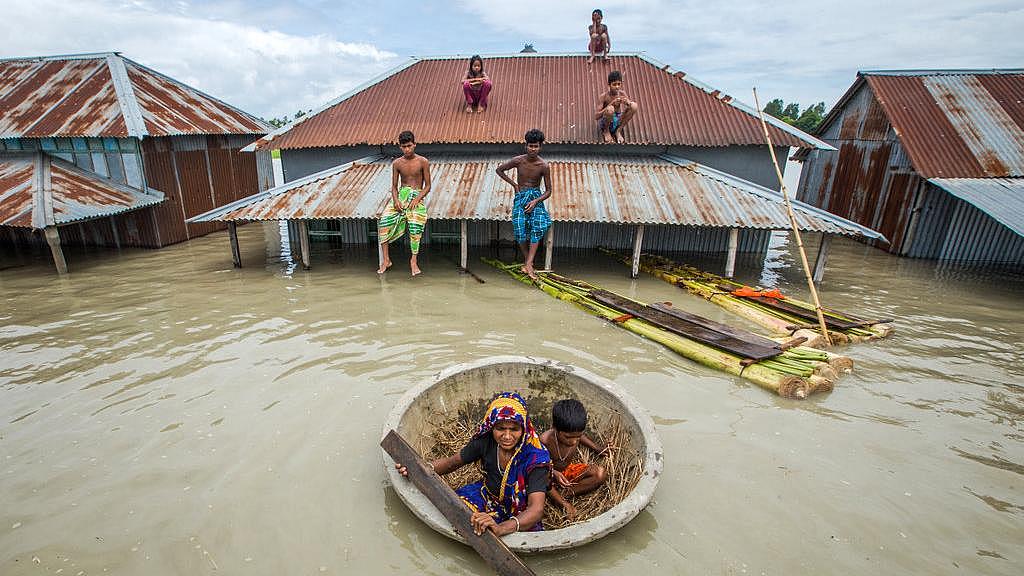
(541, 382)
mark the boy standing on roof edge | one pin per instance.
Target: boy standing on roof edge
(406, 204)
(530, 219)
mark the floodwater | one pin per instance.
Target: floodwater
(164, 413)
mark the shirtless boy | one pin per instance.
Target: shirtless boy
(614, 109)
(406, 207)
(567, 433)
(530, 219)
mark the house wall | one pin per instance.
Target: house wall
(870, 179)
(748, 162)
(950, 229)
(195, 173)
(751, 163)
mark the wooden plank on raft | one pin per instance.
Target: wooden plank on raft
(783, 306)
(738, 333)
(491, 548)
(746, 346)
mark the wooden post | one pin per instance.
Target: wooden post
(304, 243)
(53, 239)
(113, 228)
(236, 254)
(464, 245)
(549, 246)
(730, 261)
(638, 241)
(822, 257)
(487, 545)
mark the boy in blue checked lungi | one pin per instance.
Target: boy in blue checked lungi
(530, 219)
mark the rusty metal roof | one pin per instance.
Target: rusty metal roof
(106, 94)
(586, 188)
(556, 93)
(38, 190)
(956, 123)
(1000, 198)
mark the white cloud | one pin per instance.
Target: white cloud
(263, 71)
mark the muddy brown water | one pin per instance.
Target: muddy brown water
(164, 413)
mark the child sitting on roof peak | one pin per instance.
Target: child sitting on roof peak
(614, 109)
(600, 42)
(476, 86)
(406, 206)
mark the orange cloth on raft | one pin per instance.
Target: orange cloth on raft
(574, 471)
(749, 292)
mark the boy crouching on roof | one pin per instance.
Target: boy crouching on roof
(569, 478)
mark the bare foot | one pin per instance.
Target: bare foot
(607, 58)
(607, 137)
(529, 271)
(415, 269)
(570, 511)
(384, 266)
(469, 110)
(591, 59)
(619, 138)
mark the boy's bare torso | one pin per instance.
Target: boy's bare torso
(560, 456)
(411, 170)
(528, 173)
(617, 99)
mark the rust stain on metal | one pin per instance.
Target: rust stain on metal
(585, 189)
(555, 93)
(70, 97)
(967, 125)
(16, 187)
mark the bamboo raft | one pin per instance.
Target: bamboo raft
(784, 317)
(781, 365)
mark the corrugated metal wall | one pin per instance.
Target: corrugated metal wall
(869, 179)
(950, 229)
(195, 173)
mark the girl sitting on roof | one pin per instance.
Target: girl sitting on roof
(515, 465)
(476, 86)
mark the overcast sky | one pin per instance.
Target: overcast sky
(272, 58)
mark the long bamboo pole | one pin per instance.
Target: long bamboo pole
(792, 222)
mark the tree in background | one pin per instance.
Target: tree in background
(278, 122)
(808, 120)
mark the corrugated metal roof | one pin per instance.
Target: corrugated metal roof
(956, 123)
(1000, 198)
(591, 188)
(556, 93)
(94, 95)
(37, 190)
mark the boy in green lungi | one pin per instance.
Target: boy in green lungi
(406, 207)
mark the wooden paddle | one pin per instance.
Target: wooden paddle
(487, 545)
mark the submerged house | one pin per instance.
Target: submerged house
(933, 159)
(694, 173)
(96, 149)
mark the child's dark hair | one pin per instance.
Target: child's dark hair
(534, 136)
(476, 58)
(405, 137)
(569, 415)
(614, 76)
(598, 12)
